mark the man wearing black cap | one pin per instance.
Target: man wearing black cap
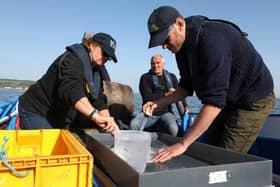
(72, 81)
(219, 63)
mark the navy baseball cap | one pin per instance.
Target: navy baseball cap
(159, 22)
(108, 44)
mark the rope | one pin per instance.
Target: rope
(3, 157)
(11, 115)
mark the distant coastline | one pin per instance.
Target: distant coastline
(14, 83)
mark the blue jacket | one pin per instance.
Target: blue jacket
(207, 67)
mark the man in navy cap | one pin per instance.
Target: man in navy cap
(73, 80)
(219, 64)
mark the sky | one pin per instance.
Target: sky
(34, 33)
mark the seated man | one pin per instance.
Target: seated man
(153, 85)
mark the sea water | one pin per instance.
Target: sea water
(6, 93)
(194, 104)
(193, 101)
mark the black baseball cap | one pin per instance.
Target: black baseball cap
(159, 22)
(108, 44)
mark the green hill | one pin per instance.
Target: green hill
(15, 83)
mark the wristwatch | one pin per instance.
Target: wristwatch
(92, 113)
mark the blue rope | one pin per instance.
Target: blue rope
(3, 157)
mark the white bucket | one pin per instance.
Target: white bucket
(133, 147)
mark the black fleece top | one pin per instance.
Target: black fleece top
(150, 92)
(58, 90)
(213, 76)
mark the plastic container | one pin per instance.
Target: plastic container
(48, 158)
(133, 147)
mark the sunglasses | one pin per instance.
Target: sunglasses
(167, 40)
(105, 55)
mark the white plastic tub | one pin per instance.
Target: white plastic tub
(133, 147)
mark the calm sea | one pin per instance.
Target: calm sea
(6, 93)
(194, 103)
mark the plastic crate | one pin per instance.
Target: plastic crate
(52, 158)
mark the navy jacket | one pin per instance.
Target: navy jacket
(150, 92)
(211, 72)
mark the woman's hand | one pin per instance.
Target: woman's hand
(111, 126)
(108, 124)
(101, 118)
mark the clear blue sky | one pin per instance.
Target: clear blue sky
(33, 33)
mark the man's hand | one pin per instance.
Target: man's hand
(149, 107)
(170, 91)
(169, 152)
(187, 109)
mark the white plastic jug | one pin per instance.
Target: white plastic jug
(133, 147)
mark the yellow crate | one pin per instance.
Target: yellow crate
(52, 158)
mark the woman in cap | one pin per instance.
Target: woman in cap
(72, 81)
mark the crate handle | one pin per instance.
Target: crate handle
(3, 157)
